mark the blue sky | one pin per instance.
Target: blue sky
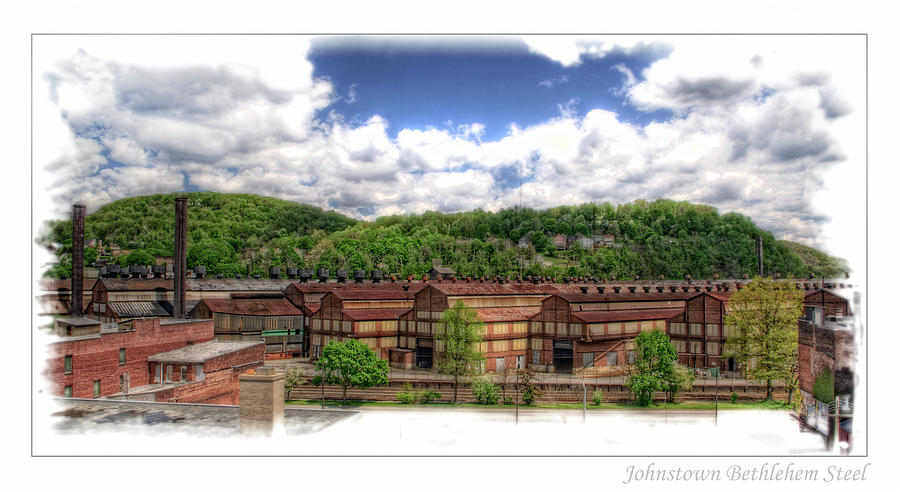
(767, 126)
(500, 84)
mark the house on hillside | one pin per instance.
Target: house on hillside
(560, 242)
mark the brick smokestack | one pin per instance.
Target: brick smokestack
(180, 268)
(77, 260)
(759, 256)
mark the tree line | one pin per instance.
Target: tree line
(247, 234)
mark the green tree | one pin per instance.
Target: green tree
(90, 255)
(459, 333)
(293, 378)
(680, 379)
(653, 365)
(762, 326)
(352, 364)
(136, 257)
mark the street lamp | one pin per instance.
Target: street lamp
(716, 369)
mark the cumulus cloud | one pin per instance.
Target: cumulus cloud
(754, 131)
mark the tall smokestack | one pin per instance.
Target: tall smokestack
(77, 259)
(180, 268)
(759, 256)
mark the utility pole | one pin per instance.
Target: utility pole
(716, 368)
(517, 391)
(583, 399)
(323, 387)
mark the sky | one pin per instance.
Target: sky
(772, 127)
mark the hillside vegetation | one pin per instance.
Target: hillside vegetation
(231, 234)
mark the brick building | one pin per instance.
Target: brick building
(116, 361)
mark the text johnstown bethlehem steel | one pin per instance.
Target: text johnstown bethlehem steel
(765, 472)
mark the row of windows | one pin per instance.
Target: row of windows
(67, 361)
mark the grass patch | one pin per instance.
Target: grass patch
(692, 406)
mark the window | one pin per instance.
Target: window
(183, 373)
(121, 357)
(198, 373)
(631, 356)
(501, 363)
(168, 373)
(587, 359)
(96, 388)
(68, 391)
(612, 359)
(68, 364)
(536, 356)
(520, 361)
(190, 342)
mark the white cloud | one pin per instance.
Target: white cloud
(761, 122)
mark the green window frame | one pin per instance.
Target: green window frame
(96, 388)
(67, 392)
(68, 364)
(121, 357)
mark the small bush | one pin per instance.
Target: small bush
(316, 380)
(428, 396)
(597, 397)
(486, 392)
(733, 397)
(410, 396)
(507, 400)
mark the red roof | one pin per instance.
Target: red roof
(376, 293)
(626, 296)
(499, 314)
(722, 296)
(113, 284)
(311, 308)
(492, 289)
(626, 315)
(374, 314)
(252, 307)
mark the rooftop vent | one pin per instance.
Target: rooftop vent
(567, 280)
(685, 288)
(158, 271)
(359, 276)
(219, 275)
(709, 288)
(659, 288)
(646, 288)
(377, 276)
(617, 289)
(199, 271)
(323, 275)
(696, 288)
(632, 289)
(238, 275)
(688, 278)
(341, 276)
(601, 289)
(405, 287)
(673, 288)
(305, 274)
(292, 272)
(256, 275)
(584, 289)
(274, 272)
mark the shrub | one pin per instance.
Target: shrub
(529, 391)
(410, 396)
(597, 397)
(485, 391)
(316, 380)
(507, 400)
(823, 387)
(428, 396)
(407, 396)
(733, 397)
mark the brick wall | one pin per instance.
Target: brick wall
(97, 358)
(220, 378)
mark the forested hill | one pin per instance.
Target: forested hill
(232, 234)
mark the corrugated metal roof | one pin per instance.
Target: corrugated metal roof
(499, 314)
(78, 321)
(55, 284)
(252, 307)
(626, 315)
(627, 296)
(722, 296)
(238, 284)
(375, 314)
(115, 284)
(140, 309)
(375, 294)
(332, 286)
(201, 352)
(311, 308)
(491, 289)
